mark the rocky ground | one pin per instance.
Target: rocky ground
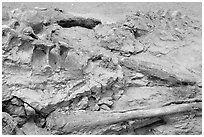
(64, 73)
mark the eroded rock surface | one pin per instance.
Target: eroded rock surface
(66, 74)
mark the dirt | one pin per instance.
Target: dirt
(102, 68)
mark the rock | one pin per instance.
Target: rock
(104, 107)
(139, 75)
(176, 15)
(16, 101)
(39, 8)
(14, 107)
(139, 47)
(5, 16)
(128, 47)
(138, 82)
(16, 13)
(29, 110)
(30, 128)
(33, 19)
(83, 103)
(200, 84)
(28, 31)
(16, 110)
(6, 93)
(19, 132)
(118, 94)
(39, 121)
(21, 120)
(110, 38)
(96, 107)
(106, 100)
(37, 100)
(8, 124)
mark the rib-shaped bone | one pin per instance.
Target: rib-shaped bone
(71, 122)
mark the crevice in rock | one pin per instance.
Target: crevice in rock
(88, 23)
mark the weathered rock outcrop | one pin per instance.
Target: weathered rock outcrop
(65, 74)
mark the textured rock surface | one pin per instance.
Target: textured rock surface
(70, 74)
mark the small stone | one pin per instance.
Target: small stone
(34, 20)
(116, 97)
(108, 93)
(139, 82)
(17, 102)
(106, 101)
(96, 107)
(39, 121)
(83, 103)
(20, 120)
(128, 47)
(139, 75)
(6, 93)
(118, 94)
(29, 110)
(15, 110)
(139, 47)
(176, 15)
(40, 9)
(5, 16)
(199, 84)
(105, 107)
